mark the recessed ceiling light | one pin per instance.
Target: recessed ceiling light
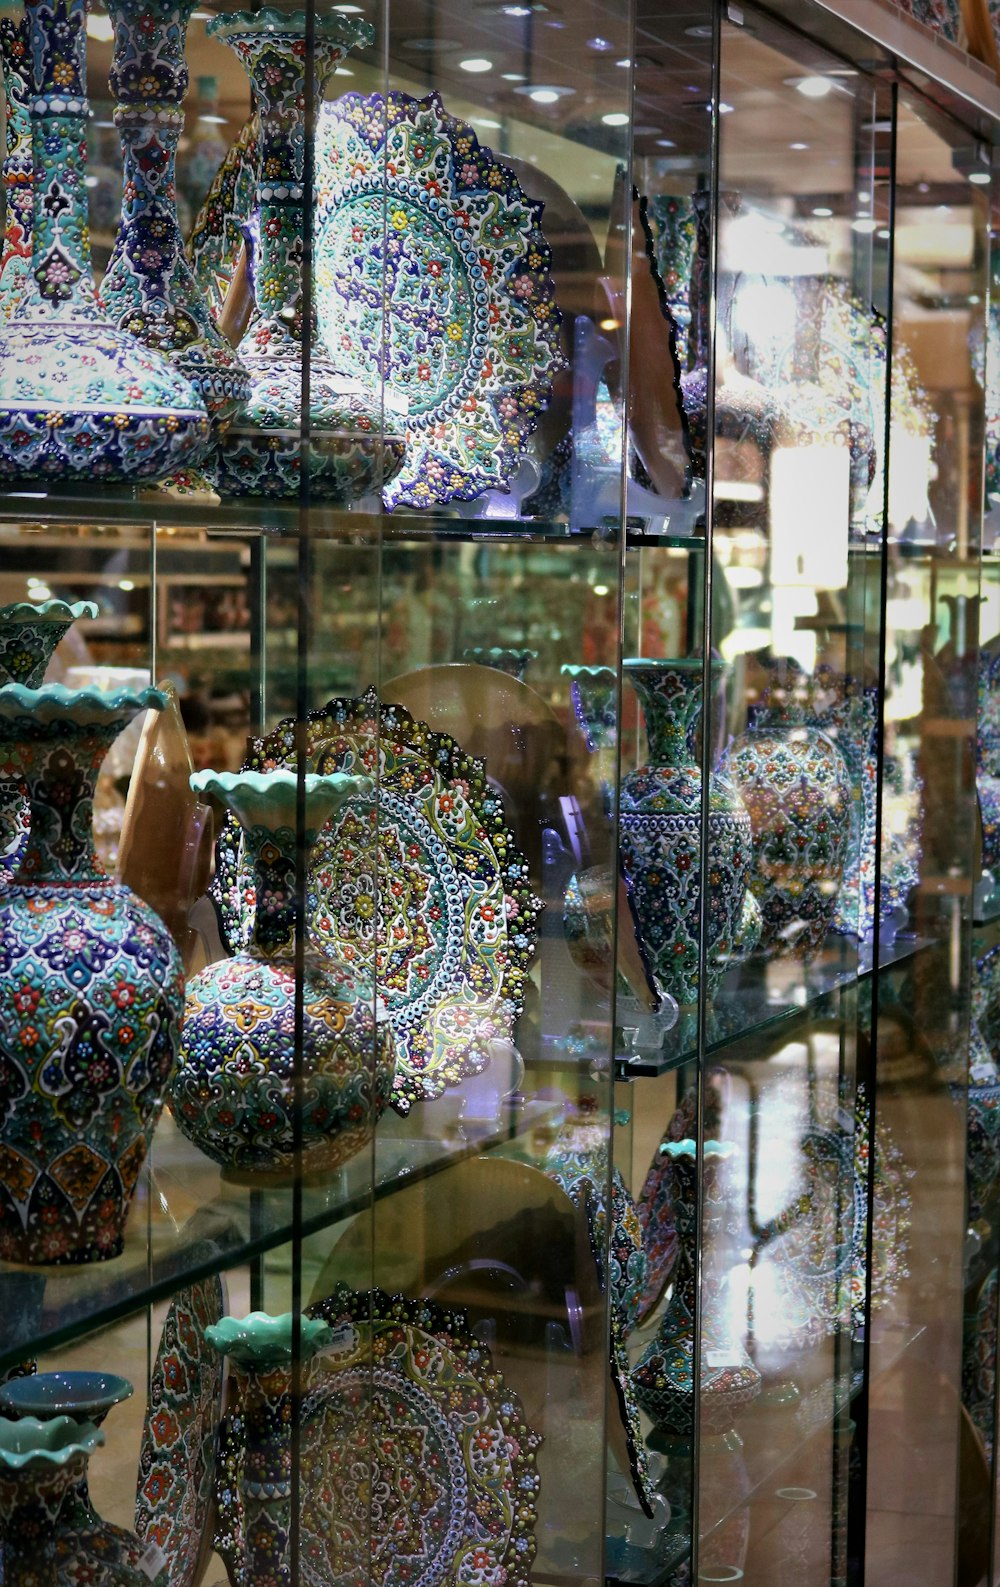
(513, 77)
(724, 109)
(599, 44)
(822, 213)
(342, 71)
(980, 178)
(213, 121)
(350, 11)
(626, 60)
(665, 143)
(616, 118)
(814, 87)
(543, 96)
(864, 198)
(100, 28)
(865, 225)
(798, 145)
(884, 233)
(476, 64)
(544, 93)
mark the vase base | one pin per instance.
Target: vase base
(339, 467)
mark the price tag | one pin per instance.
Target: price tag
(152, 1561)
(719, 1358)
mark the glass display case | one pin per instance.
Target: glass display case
(499, 794)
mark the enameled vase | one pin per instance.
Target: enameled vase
(347, 443)
(82, 1396)
(29, 635)
(512, 659)
(79, 399)
(91, 993)
(149, 288)
(660, 832)
(664, 1376)
(253, 1488)
(46, 1540)
(797, 789)
(240, 1092)
(15, 258)
(594, 692)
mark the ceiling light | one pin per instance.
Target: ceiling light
(864, 198)
(349, 11)
(616, 118)
(342, 71)
(543, 96)
(516, 11)
(100, 28)
(822, 213)
(798, 145)
(513, 77)
(665, 143)
(814, 87)
(625, 61)
(476, 63)
(865, 225)
(213, 121)
(981, 178)
(599, 44)
(884, 233)
(544, 93)
(126, 584)
(724, 109)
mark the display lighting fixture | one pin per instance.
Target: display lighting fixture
(476, 64)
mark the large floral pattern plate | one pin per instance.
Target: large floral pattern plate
(416, 1458)
(177, 1458)
(432, 273)
(451, 934)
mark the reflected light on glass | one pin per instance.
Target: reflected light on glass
(615, 118)
(798, 145)
(814, 87)
(765, 313)
(980, 178)
(599, 44)
(476, 64)
(665, 143)
(100, 28)
(543, 96)
(864, 225)
(822, 212)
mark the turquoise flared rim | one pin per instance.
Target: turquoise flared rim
(259, 798)
(260, 1340)
(692, 664)
(53, 1442)
(54, 611)
(78, 1394)
(52, 701)
(689, 1148)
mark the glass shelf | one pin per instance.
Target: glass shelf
(190, 1224)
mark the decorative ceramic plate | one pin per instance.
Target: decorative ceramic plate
(415, 1455)
(432, 271)
(217, 235)
(451, 936)
(177, 1458)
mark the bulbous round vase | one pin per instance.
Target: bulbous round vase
(91, 993)
(238, 1092)
(351, 443)
(797, 789)
(660, 838)
(80, 400)
(664, 1376)
(29, 635)
(47, 1539)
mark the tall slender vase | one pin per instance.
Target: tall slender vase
(349, 450)
(79, 399)
(238, 1093)
(149, 288)
(15, 259)
(91, 993)
(29, 635)
(254, 1469)
(47, 1540)
(797, 789)
(664, 1376)
(660, 838)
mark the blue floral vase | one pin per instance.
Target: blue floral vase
(253, 1489)
(29, 635)
(660, 838)
(91, 993)
(238, 1092)
(79, 399)
(149, 288)
(82, 1396)
(15, 259)
(797, 789)
(347, 442)
(664, 1376)
(46, 1539)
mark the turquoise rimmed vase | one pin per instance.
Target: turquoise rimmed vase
(48, 1541)
(240, 1092)
(91, 993)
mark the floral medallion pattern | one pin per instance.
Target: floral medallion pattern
(15, 259)
(450, 302)
(92, 990)
(177, 1458)
(416, 1457)
(423, 891)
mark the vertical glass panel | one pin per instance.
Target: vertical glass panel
(927, 1163)
(797, 420)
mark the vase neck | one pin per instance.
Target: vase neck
(265, 1398)
(276, 65)
(62, 279)
(671, 702)
(60, 767)
(149, 245)
(31, 1500)
(272, 853)
(148, 67)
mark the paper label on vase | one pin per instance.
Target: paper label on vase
(719, 1358)
(152, 1561)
